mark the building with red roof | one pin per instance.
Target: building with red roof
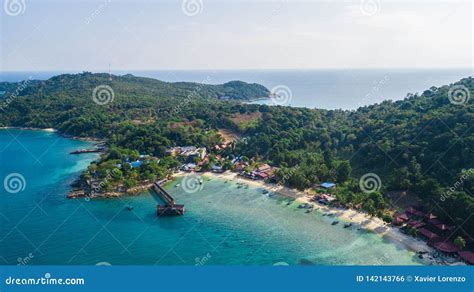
(428, 234)
(467, 256)
(446, 246)
(415, 212)
(444, 227)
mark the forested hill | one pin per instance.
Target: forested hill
(423, 144)
(87, 104)
(77, 84)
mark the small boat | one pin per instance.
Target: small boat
(265, 192)
(347, 225)
(176, 186)
(334, 222)
(200, 181)
(129, 208)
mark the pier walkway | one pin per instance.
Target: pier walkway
(170, 207)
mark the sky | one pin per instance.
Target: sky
(61, 35)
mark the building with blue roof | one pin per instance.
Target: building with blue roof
(328, 185)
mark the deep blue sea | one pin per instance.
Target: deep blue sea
(224, 223)
(327, 89)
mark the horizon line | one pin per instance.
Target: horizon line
(243, 69)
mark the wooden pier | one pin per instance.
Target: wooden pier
(170, 208)
(83, 151)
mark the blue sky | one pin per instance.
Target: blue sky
(149, 35)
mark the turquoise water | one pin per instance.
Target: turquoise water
(223, 224)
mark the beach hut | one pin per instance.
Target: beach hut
(444, 227)
(264, 168)
(263, 175)
(428, 234)
(446, 247)
(434, 221)
(415, 212)
(217, 168)
(416, 224)
(467, 256)
(400, 219)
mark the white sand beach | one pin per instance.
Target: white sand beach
(365, 221)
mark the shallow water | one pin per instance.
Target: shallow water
(225, 223)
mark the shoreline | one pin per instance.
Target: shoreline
(52, 130)
(362, 219)
(358, 218)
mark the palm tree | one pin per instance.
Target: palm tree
(460, 242)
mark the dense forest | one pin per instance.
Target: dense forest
(422, 145)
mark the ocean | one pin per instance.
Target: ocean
(325, 89)
(225, 224)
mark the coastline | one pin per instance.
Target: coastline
(362, 219)
(52, 130)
